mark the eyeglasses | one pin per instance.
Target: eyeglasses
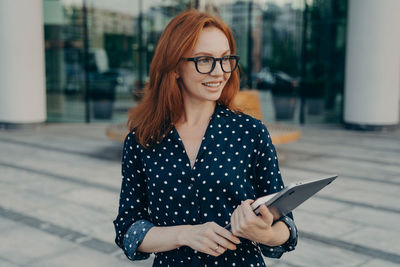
(206, 64)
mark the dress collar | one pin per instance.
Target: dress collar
(222, 110)
(217, 119)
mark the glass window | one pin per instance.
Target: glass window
(121, 37)
(292, 52)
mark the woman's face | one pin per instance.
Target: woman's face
(197, 87)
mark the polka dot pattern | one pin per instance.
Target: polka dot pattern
(236, 161)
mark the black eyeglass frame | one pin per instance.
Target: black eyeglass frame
(215, 59)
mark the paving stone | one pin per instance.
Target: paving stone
(23, 180)
(384, 239)
(367, 196)
(10, 177)
(6, 225)
(92, 197)
(324, 225)
(349, 147)
(349, 167)
(5, 263)
(24, 201)
(313, 254)
(378, 263)
(104, 230)
(343, 182)
(88, 258)
(79, 218)
(64, 164)
(321, 206)
(23, 245)
(372, 217)
(141, 263)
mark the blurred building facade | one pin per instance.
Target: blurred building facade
(313, 61)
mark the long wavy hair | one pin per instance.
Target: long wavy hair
(162, 102)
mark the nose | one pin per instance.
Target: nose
(217, 71)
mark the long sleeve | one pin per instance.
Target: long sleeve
(269, 181)
(133, 220)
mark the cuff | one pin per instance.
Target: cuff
(276, 252)
(134, 237)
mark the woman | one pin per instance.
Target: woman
(191, 165)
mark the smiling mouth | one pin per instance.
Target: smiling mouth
(212, 84)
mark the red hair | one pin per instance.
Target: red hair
(162, 103)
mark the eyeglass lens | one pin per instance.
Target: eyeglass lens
(207, 64)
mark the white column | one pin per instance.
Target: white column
(372, 84)
(22, 71)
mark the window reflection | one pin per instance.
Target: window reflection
(289, 49)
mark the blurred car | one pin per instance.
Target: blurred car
(285, 84)
(264, 79)
(101, 77)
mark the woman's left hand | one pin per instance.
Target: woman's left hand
(245, 223)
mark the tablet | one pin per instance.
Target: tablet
(286, 200)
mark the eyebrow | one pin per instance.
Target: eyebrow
(210, 54)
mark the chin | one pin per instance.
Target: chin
(203, 94)
(214, 96)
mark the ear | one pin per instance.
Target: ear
(176, 74)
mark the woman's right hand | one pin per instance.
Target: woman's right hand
(209, 238)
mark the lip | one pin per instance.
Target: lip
(217, 84)
(213, 89)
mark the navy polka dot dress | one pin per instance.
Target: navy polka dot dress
(236, 161)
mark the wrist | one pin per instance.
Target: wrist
(182, 235)
(276, 235)
(267, 237)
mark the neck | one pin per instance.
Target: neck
(196, 113)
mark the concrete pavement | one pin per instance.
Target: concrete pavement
(59, 190)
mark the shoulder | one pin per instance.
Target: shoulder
(244, 122)
(131, 142)
(130, 137)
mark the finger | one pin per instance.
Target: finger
(221, 250)
(248, 214)
(236, 222)
(246, 206)
(212, 248)
(227, 235)
(247, 202)
(224, 243)
(266, 215)
(233, 221)
(251, 217)
(246, 210)
(218, 249)
(212, 252)
(223, 237)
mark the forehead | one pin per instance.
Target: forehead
(211, 40)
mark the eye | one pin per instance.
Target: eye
(204, 60)
(226, 58)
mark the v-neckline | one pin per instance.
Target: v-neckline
(207, 137)
(200, 150)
